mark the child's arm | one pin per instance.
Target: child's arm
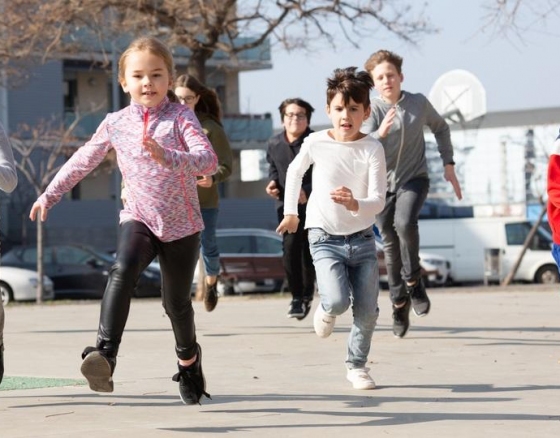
(272, 189)
(442, 134)
(294, 177)
(553, 178)
(200, 158)
(376, 180)
(84, 160)
(8, 174)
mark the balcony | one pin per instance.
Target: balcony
(247, 128)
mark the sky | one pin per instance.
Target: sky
(516, 73)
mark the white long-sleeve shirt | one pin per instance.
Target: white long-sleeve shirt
(358, 165)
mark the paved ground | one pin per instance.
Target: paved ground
(484, 363)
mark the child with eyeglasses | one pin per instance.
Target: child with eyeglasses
(295, 114)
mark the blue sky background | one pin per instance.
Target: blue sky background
(516, 73)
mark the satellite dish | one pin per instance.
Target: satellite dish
(458, 96)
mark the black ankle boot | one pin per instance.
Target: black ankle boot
(98, 367)
(192, 385)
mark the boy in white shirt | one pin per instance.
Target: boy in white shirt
(349, 185)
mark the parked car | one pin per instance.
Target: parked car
(17, 284)
(250, 259)
(78, 271)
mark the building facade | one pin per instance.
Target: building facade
(82, 86)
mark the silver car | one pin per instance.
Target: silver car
(17, 284)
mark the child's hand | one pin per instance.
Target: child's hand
(449, 175)
(272, 190)
(302, 197)
(154, 149)
(38, 208)
(288, 225)
(205, 181)
(387, 122)
(343, 195)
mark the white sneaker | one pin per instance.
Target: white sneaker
(323, 322)
(360, 378)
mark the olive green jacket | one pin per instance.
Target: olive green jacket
(209, 196)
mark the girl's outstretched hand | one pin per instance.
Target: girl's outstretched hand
(38, 208)
(154, 149)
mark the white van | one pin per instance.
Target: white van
(468, 242)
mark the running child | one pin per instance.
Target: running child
(161, 149)
(349, 185)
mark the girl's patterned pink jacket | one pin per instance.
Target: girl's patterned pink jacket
(163, 197)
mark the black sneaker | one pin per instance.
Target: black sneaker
(192, 385)
(1, 362)
(401, 320)
(98, 369)
(211, 297)
(420, 300)
(296, 309)
(306, 305)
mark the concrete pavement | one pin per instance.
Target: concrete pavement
(485, 362)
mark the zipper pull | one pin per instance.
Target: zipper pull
(146, 119)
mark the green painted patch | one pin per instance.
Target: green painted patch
(11, 383)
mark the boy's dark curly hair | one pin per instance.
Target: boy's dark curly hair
(351, 84)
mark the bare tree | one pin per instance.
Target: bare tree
(514, 19)
(204, 27)
(40, 151)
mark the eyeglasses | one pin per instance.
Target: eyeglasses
(186, 99)
(297, 116)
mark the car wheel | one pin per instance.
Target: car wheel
(547, 274)
(6, 292)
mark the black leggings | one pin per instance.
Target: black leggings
(138, 247)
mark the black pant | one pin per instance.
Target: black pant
(298, 263)
(398, 225)
(138, 247)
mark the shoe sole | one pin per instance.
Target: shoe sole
(401, 335)
(363, 386)
(423, 313)
(97, 370)
(210, 306)
(296, 315)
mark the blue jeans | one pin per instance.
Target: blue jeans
(210, 252)
(556, 254)
(348, 274)
(398, 225)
